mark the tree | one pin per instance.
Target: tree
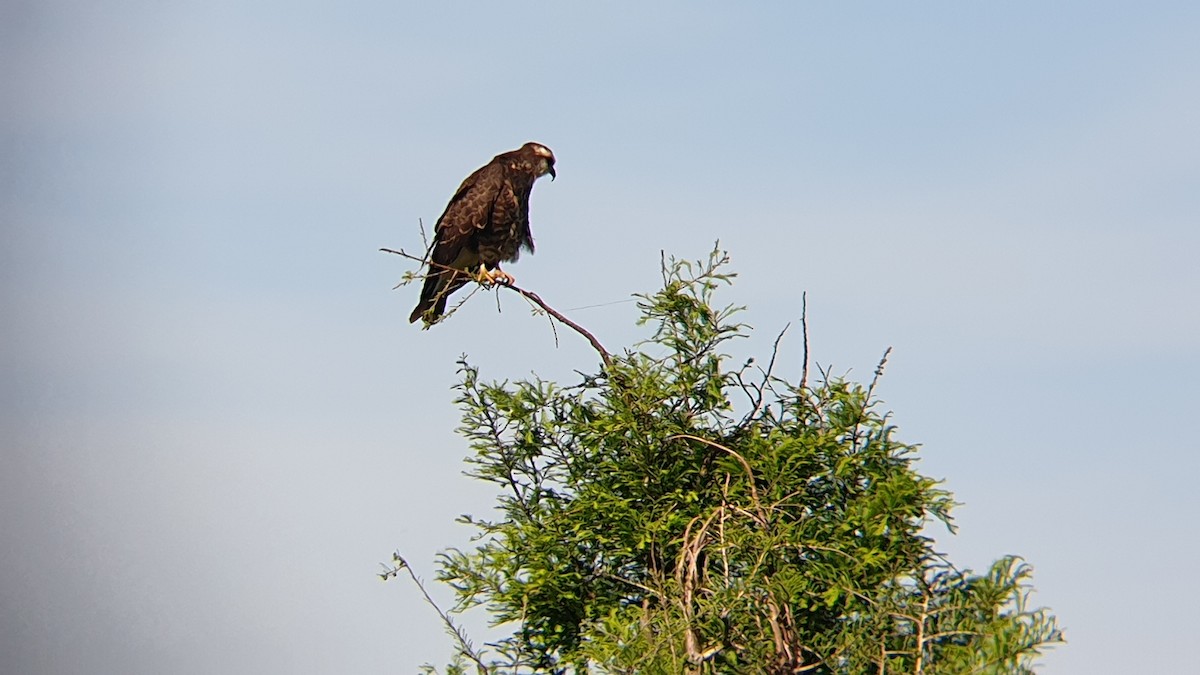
(673, 514)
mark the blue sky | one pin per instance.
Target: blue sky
(216, 420)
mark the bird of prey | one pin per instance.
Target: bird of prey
(486, 222)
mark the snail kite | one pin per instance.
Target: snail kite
(486, 222)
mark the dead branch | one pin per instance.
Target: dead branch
(531, 297)
(464, 645)
(535, 299)
(804, 332)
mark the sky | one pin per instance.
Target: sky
(215, 420)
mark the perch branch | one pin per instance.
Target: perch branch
(535, 299)
(531, 297)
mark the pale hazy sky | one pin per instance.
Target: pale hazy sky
(215, 419)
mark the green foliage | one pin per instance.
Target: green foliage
(671, 514)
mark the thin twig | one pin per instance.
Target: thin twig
(878, 371)
(537, 300)
(804, 331)
(767, 374)
(867, 401)
(534, 308)
(424, 239)
(464, 646)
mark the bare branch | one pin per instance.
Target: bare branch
(464, 645)
(767, 374)
(535, 299)
(531, 297)
(804, 332)
(870, 392)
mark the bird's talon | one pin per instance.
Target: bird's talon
(493, 277)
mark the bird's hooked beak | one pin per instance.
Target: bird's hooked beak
(550, 170)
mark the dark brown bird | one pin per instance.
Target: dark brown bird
(486, 222)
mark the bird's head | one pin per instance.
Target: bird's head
(543, 159)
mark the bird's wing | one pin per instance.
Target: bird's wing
(469, 210)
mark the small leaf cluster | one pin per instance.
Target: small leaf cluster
(674, 514)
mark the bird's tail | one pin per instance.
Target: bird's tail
(437, 288)
(429, 296)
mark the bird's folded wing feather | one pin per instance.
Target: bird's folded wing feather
(468, 210)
